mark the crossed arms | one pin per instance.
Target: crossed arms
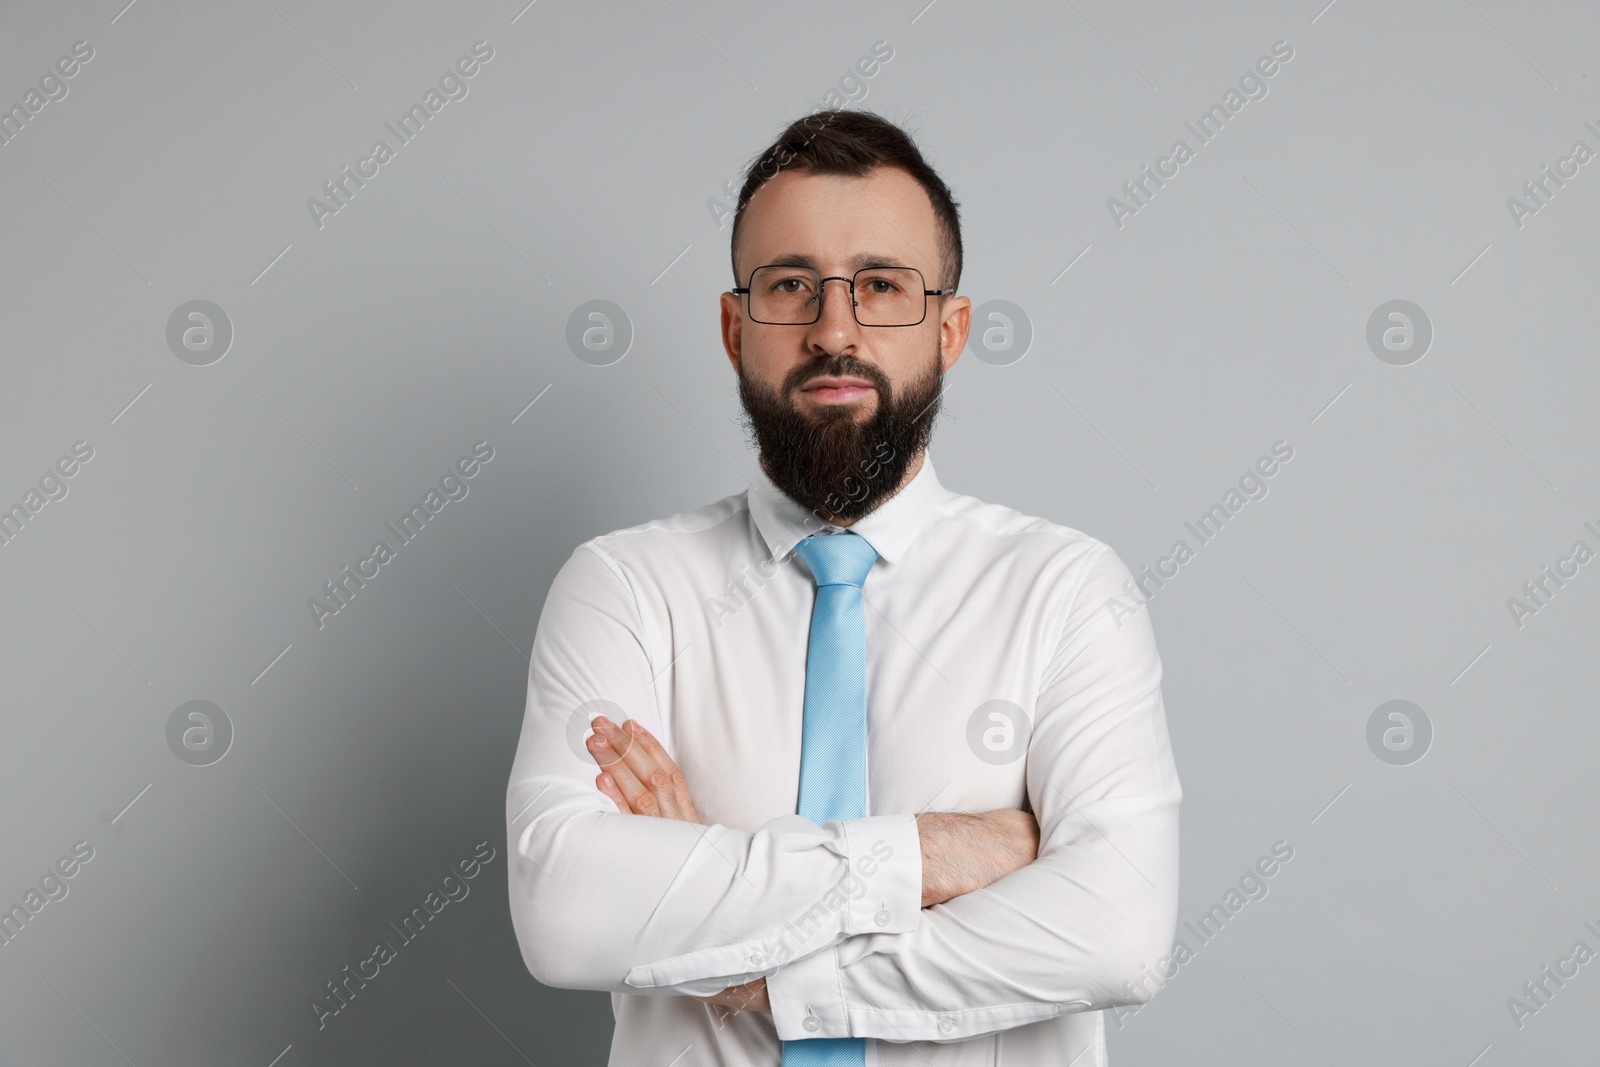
(961, 853)
(952, 943)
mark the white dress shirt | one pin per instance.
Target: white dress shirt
(997, 677)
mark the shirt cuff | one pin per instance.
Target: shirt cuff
(880, 892)
(806, 998)
(885, 856)
(884, 885)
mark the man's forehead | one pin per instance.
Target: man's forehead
(858, 261)
(799, 217)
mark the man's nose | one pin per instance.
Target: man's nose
(838, 309)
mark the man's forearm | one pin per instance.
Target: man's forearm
(963, 853)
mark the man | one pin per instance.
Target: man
(827, 711)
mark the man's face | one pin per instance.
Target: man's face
(840, 410)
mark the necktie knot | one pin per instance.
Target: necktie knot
(837, 559)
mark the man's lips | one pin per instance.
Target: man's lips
(837, 390)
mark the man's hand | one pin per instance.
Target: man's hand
(639, 776)
(963, 853)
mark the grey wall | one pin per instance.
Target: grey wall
(372, 349)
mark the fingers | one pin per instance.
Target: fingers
(744, 996)
(607, 744)
(648, 745)
(661, 774)
(635, 772)
(607, 786)
(610, 757)
(752, 996)
(642, 772)
(719, 999)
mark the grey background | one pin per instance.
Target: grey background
(369, 354)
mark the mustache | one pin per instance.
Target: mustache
(842, 366)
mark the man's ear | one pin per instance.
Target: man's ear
(732, 329)
(954, 322)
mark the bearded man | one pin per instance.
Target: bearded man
(846, 768)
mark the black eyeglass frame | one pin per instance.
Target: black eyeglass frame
(822, 292)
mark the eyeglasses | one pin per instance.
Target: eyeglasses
(879, 296)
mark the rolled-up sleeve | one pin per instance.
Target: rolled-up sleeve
(1079, 929)
(626, 903)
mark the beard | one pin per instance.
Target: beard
(834, 465)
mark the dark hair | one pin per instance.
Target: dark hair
(851, 142)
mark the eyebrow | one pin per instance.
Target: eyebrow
(860, 261)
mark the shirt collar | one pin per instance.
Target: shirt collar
(889, 528)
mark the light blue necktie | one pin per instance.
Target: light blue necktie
(833, 740)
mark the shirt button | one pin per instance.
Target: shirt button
(811, 1022)
(883, 917)
(756, 958)
(946, 1025)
